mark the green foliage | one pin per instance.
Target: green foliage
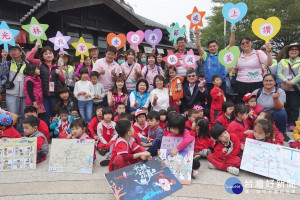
(286, 10)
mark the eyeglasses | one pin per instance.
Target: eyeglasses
(191, 76)
(243, 43)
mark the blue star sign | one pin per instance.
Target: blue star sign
(7, 35)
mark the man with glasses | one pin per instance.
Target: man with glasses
(181, 45)
(194, 93)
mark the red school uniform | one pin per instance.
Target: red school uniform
(93, 127)
(122, 154)
(216, 103)
(44, 129)
(223, 120)
(107, 134)
(188, 126)
(228, 159)
(238, 128)
(162, 124)
(140, 131)
(10, 132)
(116, 118)
(256, 111)
(203, 143)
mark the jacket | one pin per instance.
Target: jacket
(234, 140)
(55, 125)
(45, 146)
(37, 90)
(236, 127)
(142, 100)
(173, 86)
(212, 66)
(284, 72)
(296, 133)
(197, 98)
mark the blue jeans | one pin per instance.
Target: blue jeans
(16, 105)
(280, 119)
(49, 103)
(86, 110)
(155, 146)
(292, 107)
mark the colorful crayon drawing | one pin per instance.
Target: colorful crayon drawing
(143, 180)
(181, 163)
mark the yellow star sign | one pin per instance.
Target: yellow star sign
(82, 48)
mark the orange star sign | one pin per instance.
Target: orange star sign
(196, 19)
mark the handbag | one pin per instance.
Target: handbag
(10, 84)
(296, 86)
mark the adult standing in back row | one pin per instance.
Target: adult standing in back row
(108, 70)
(212, 66)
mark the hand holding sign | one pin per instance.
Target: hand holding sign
(234, 13)
(135, 38)
(60, 41)
(117, 41)
(189, 60)
(81, 47)
(36, 30)
(172, 59)
(7, 35)
(196, 19)
(229, 57)
(266, 29)
(175, 32)
(153, 37)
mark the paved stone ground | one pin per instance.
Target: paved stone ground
(41, 184)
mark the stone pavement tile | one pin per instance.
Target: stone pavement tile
(61, 196)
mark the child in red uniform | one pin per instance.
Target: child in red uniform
(254, 110)
(120, 108)
(278, 137)
(192, 114)
(79, 130)
(43, 127)
(106, 131)
(224, 119)
(163, 118)
(126, 151)
(200, 111)
(6, 128)
(218, 98)
(227, 149)
(61, 126)
(204, 145)
(94, 123)
(239, 126)
(30, 126)
(177, 129)
(141, 128)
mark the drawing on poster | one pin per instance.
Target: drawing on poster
(72, 156)
(273, 161)
(181, 163)
(18, 154)
(143, 180)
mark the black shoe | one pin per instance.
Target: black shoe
(104, 163)
(286, 138)
(102, 152)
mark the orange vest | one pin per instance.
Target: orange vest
(176, 95)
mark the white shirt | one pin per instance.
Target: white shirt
(191, 88)
(84, 86)
(162, 101)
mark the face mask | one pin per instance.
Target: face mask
(143, 60)
(121, 62)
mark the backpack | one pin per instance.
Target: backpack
(260, 90)
(157, 68)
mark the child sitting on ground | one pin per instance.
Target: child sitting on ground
(226, 151)
(120, 108)
(225, 118)
(192, 114)
(126, 151)
(30, 126)
(62, 125)
(106, 131)
(200, 111)
(204, 145)
(141, 128)
(43, 128)
(6, 128)
(254, 109)
(94, 123)
(163, 118)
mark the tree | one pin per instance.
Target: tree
(192, 36)
(287, 11)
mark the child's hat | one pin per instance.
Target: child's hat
(198, 107)
(248, 96)
(5, 119)
(140, 112)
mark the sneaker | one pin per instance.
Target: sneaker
(286, 138)
(194, 174)
(102, 152)
(211, 166)
(233, 170)
(292, 128)
(104, 163)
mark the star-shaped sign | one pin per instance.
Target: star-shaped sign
(82, 48)
(196, 19)
(172, 59)
(175, 32)
(189, 60)
(7, 35)
(60, 41)
(36, 30)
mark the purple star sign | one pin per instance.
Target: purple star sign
(60, 41)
